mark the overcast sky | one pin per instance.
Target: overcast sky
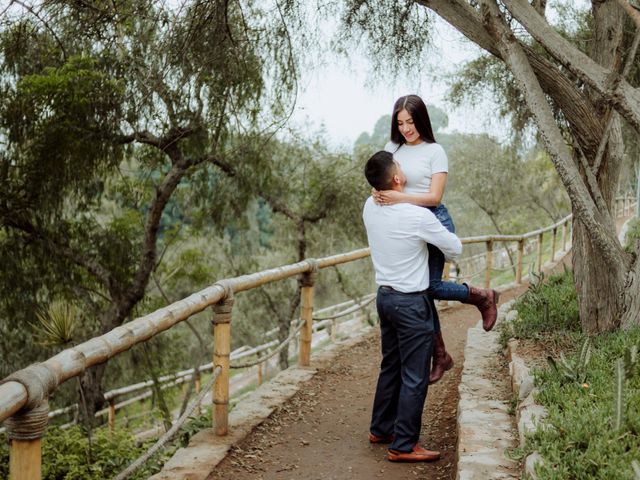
(340, 97)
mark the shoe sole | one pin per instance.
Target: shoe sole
(394, 458)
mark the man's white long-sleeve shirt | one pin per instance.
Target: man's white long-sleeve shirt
(398, 236)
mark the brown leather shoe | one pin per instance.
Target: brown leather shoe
(381, 439)
(487, 301)
(442, 361)
(418, 454)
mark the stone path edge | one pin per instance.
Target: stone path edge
(206, 450)
(475, 459)
(529, 414)
(485, 426)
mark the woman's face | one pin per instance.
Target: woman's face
(407, 128)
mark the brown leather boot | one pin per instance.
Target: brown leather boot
(442, 361)
(487, 301)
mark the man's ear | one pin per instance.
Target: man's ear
(396, 179)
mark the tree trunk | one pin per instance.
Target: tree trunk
(598, 295)
(91, 398)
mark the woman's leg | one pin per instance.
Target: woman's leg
(439, 289)
(485, 299)
(441, 360)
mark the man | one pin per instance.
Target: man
(398, 236)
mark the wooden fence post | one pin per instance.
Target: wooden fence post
(553, 243)
(564, 236)
(520, 259)
(25, 430)
(539, 253)
(488, 264)
(221, 353)
(112, 414)
(306, 313)
(198, 381)
(260, 374)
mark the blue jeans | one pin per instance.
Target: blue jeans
(406, 328)
(439, 289)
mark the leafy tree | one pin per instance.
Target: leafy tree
(105, 110)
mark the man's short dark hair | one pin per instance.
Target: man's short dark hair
(379, 170)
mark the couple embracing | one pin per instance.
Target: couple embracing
(411, 234)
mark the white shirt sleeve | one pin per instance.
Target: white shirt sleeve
(432, 231)
(439, 161)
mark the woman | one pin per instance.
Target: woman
(425, 165)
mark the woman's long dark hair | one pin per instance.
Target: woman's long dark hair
(418, 111)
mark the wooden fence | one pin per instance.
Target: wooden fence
(24, 394)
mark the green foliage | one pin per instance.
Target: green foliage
(59, 125)
(633, 235)
(626, 367)
(397, 24)
(488, 74)
(573, 371)
(618, 398)
(57, 324)
(548, 308)
(579, 441)
(85, 101)
(66, 455)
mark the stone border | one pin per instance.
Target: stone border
(529, 414)
(485, 428)
(206, 450)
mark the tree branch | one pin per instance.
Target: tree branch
(615, 89)
(275, 204)
(583, 204)
(161, 143)
(58, 246)
(605, 135)
(540, 6)
(576, 107)
(147, 262)
(631, 10)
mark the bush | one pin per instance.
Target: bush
(66, 455)
(549, 308)
(580, 441)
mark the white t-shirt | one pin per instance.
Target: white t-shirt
(419, 163)
(398, 236)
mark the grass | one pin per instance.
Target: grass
(547, 312)
(579, 440)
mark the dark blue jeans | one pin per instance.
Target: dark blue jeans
(406, 327)
(439, 289)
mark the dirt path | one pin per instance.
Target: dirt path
(321, 434)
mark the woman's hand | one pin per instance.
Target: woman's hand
(386, 197)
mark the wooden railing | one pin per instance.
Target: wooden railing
(538, 235)
(328, 319)
(24, 394)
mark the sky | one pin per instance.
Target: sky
(340, 98)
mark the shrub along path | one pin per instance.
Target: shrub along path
(321, 433)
